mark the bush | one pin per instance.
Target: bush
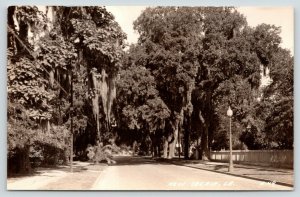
(46, 155)
(100, 153)
(125, 150)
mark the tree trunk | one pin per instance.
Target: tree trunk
(66, 156)
(11, 24)
(153, 145)
(165, 148)
(158, 150)
(172, 145)
(23, 166)
(204, 144)
(153, 149)
(187, 127)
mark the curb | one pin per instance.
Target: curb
(232, 174)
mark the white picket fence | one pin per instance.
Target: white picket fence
(268, 157)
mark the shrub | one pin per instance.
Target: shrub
(100, 153)
(46, 155)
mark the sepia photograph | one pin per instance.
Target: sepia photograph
(124, 98)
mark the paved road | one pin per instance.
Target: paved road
(134, 173)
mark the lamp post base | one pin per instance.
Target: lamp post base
(230, 168)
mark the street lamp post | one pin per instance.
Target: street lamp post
(230, 113)
(71, 116)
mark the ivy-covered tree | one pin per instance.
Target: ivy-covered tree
(95, 41)
(29, 94)
(59, 69)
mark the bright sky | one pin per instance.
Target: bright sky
(279, 16)
(125, 15)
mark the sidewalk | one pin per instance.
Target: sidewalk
(279, 176)
(83, 177)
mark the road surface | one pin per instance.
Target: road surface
(134, 173)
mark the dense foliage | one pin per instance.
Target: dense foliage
(204, 60)
(62, 64)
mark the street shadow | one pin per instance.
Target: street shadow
(137, 160)
(274, 170)
(218, 167)
(65, 168)
(48, 169)
(22, 175)
(266, 174)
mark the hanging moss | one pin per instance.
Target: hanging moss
(104, 88)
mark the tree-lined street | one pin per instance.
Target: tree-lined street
(79, 94)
